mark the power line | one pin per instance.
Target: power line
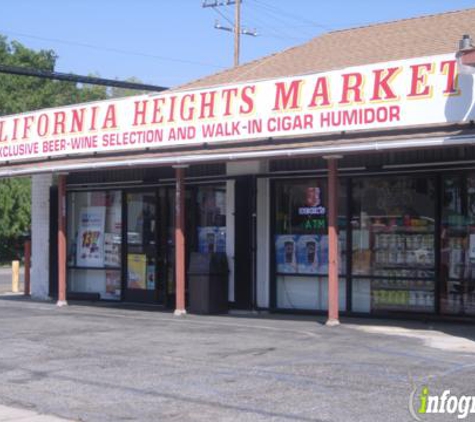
(279, 12)
(47, 74)
(228, 20)
(113, 49)
(272, 31)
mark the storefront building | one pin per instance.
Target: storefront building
(338, 176)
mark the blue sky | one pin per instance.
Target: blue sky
(168, 42)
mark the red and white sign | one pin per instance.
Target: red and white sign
(411, 92)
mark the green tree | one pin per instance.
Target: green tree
(24, 93)
(115, 92)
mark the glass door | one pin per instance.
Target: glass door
(142, 254)
(457, 258)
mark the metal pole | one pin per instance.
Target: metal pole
(62, 240)
(27, 249)
(180, 241)
(237, 32)
(333, 313)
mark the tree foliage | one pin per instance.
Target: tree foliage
(25, 93)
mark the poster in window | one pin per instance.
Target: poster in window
(286, 253)
(211, 239)
(112, 285)
(90, 241)
(112, 250)
(137, 267)
(308, 254)
(312, 215)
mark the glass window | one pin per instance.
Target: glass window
(211, 223)
(457, 292)
(94, 243)
(301, 244)
(393, 244)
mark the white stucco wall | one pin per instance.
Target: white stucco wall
(40, 203)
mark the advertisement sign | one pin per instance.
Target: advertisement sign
(312, 254)
(382, 95)
(211, 239)
(90, 241)
(113, 288)
(137, 266)
(313, 215)
(112, 249)
(286, 253)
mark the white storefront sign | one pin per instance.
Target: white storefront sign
(413, 92)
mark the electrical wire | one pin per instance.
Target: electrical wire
(264, 16)
(223, 16)
(279, 12)
(113, 50)
(271, 31)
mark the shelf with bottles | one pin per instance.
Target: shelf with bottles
(398, 224)
(399, 250)
(402, 300)
(402, 284)
(415, 273)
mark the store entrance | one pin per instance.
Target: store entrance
(145, 254)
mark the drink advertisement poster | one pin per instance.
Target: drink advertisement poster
(137, 268)
(286, 253)
(312, 254)
(211, 239)
(90, 242)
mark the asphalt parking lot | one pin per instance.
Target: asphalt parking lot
(96, 363)
(6, 279)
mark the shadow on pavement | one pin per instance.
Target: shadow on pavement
(459, 327)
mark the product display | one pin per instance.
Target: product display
(403, 267)
(458, 267)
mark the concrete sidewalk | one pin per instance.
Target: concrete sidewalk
(12, 414)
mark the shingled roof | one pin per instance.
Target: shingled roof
(402, 39)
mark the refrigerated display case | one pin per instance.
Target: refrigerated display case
(393, 245)
(403, 270)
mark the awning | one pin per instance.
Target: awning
(352, 143)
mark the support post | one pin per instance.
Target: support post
(180, 240)
(333, 312)
(15, 276)
(62, 240)
(27, 252)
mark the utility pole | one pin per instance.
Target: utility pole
(236, 25)
(237, 32)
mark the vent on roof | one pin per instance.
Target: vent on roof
(466, 56)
